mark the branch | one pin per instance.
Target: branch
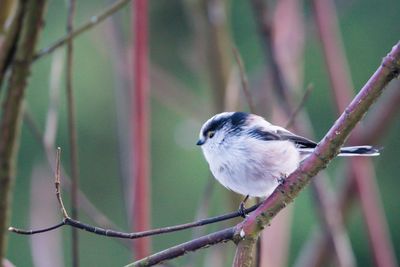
(243, 78)
(9, 40)
(85, 204)
(250, 228)
(264, 25)
(382, 117)
(326, 149)
(318, 245)
(67, 220)
(285, 192)
(342, 89)
(72, 132)
(33, 12)
(214, 15)
(93, 21)
(301, 104)
(180, 250)
(328, 219)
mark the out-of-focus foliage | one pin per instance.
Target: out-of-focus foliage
(179, 173)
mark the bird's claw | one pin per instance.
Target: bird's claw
(242, 210)
(282, 178)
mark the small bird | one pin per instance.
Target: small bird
(251, 156)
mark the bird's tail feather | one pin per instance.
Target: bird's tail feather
(368, 151)
(350, 151)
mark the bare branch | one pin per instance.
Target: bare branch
(135, 235)
(342, 88)
(243, 78)
(317, 248)
(72, 132)
(303, 100)
(264, 24)
(112, 233)
(250, 228)
(37, 231)
(331, 223)
(8, 40)
(57, 184)
(193, 245)
(326, 149)
(11, 115)
(93, 21)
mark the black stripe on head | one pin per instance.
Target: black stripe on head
(215, 124)
(237, 119)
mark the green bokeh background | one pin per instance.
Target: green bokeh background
(179, 173)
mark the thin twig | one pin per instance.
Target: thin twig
(93, 21)
(332, 221)
(218, 58)
(88, 207)
(224, 235)
(72, 133)
(112, 233)
(8, 42)
(264, 24)
(57, 184)
(243, 79)
(296, 111)
(34, 232)
(135, 235)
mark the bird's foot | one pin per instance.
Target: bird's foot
(242, 208)
(282, 178)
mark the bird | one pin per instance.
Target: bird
(250, 156)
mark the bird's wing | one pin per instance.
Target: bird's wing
(278, 133)
(262, 134)
(300, 141)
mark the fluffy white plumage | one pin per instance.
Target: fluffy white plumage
(249, 155)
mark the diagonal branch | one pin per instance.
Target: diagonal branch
(251, 227)
(180, 250)
(93, 21)
(317, 248)
(342, 89)
(324, 152)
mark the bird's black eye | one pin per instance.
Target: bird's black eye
(210, 134)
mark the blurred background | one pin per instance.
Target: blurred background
(193, 73)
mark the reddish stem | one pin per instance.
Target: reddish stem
(140, 124)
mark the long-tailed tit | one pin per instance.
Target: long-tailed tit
(251, 156)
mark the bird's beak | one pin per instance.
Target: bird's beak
(200, 142)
